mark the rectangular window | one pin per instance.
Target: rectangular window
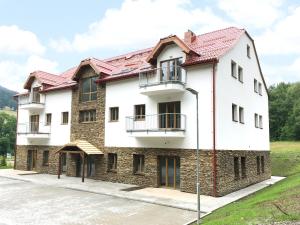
(138, 164)
(243, 166)
(241, 115)
(240, 74)
(236, 168)
(233, 69)
(171, 70)
(114, 114)
(87, 116)
(260, 122)
(48, 119)
(139, 112)
(248, 52)
(112, 162)
(260, 88)
(65, 118)
(45, 158)
(262, 160)
(256, 120)
(88, 91)
(255, 86)
(234, 113)
(258, 165)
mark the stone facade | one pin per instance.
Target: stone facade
(22, 158)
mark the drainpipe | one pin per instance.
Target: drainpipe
(214, 158)
(15, 151)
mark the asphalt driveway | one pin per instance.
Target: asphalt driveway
(24, 202)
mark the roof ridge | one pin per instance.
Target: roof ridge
(227, 28)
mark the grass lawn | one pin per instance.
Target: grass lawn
(280, 202)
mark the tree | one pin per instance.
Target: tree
(7, 133)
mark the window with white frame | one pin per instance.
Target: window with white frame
(256, 120)
(255, 86)
(248, 52)
(259, 88)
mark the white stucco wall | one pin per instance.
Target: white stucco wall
(234, 135)
(55, 103)
(126, 93)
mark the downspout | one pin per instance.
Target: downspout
(214, 158)
(15, 151)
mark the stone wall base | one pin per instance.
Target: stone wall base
(226, 181)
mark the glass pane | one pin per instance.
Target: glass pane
(93, 84)
(172, 70)
(164, 66)
(170, 172)
(177, 172)
(94, 96)
(85, 97)
(86, 85)
(163, 171)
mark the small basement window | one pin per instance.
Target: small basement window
(138, 164)
(243, 167)
(112, 162)
(262, 160)
(260, 122)
(45, 158)
(236, 168)
(258, 165)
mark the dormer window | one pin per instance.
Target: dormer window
(88, 89)
(36, 95)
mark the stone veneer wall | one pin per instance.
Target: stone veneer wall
(22, 153)
(92, 132)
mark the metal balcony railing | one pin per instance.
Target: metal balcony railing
(33, 128)
(34, 98)
(163, 75)
(156, 122)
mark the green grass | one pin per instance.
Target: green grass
(280, 202)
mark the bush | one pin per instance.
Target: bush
(3, 161)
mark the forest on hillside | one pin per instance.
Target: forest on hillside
(6, 98)
(284, 111)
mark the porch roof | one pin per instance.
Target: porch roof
(81, 145)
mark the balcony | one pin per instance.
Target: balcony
(163, 80)
(157, 125)
(33, 102)
(34, 130)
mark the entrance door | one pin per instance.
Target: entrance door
(169, 115)
(169, 167)
(31, 159)
(34, 123)
(64, 162)
(78, 165)
(91, 166)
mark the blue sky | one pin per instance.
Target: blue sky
(56, 35)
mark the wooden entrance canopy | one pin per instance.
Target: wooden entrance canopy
(78, 147)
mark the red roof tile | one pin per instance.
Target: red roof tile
(208, 47)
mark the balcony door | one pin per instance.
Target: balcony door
(36, 95)
(34, 123)
(171, 70)
(169, 168)
(169, 115)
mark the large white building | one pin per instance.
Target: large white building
(131, 119)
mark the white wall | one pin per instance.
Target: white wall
(125, 94)
(55, 103)
(234, 135)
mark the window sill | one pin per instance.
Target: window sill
(242, 122)
(88, 122)
(64, 123)
(139, 119)
(139, 173)
(113, 121)
(47, 125)
(235, 121)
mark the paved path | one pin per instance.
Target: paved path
(28, 203)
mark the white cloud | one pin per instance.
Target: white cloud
(140, 23)
(13, 74)
(257, 13)
(283, 37)
(14, 40)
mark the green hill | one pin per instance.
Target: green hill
(6, 98)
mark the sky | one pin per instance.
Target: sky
(56, 35)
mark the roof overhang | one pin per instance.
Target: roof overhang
(173, 39)
(83, 63)
(80, 146)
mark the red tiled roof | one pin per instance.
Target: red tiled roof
(208, 47)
